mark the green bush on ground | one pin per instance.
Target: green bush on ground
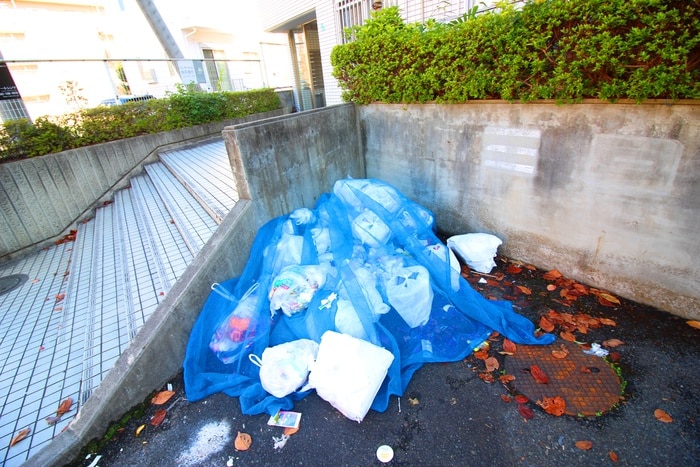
(566, 50)
(186, 107)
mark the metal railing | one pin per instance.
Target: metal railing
(54, 87)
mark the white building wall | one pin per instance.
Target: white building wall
(277, 12)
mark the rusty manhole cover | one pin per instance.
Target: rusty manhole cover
(586, 383)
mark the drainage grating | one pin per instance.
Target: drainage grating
(11, 282)
(586, 383)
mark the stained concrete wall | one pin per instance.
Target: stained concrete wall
(286, 163)
(43, 197)
(606, 193)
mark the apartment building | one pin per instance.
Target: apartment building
(314, 27)
(66, 54)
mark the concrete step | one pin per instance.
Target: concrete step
(205, 171)
(110, 279)
(193, 221)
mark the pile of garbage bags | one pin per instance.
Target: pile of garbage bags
(348, 299)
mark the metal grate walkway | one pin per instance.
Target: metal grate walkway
(63, 330)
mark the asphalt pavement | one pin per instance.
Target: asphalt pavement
(450, 414)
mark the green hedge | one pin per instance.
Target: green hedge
(566, 50)
(20, 139)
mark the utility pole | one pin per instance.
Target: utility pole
(160, 29)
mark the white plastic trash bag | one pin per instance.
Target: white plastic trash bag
(285, 367)
(348, 373)
(440, 251)
(476, 249)
(295, 286)
(370, 229)
(411, 295)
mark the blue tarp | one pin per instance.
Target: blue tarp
(360, 244)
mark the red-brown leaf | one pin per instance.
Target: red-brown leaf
(546, 325)
(506, 398)
(22, 434)
(553, 405)
(662, 416)
(487, 377)
(162, 397)
(158, 417)
(509, 346)
(560, 354)
(567, 336)
(607, 322)
(552, 275)
(612, 343)
(482, 354)
(521, 399)
(514, 269)
(525, 411)
(551, 287)
(492, 364)
(524, 290)
(65, 406)
(613, 456)
(538, 374)
(584, 445)
(505, 379)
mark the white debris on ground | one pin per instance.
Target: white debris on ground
(211, 438)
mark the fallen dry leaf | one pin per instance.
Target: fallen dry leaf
(584, 445)
(553, 405)
(158, 417)
(60, 296)
(608, 297)
(538, 374)
(509, 346)
(612, 343)
(290, 430)
(604, 302)
(567, 336)
(22, 434)
(525, 411)
(487, 377)
(613, 456)
(162, 397)
(492, 364)
(514, 269)
(482, 354)
(607, 322)
(505, 379)
(546, 325)
(524, 290)
(243, 441)
(560, 354)
(413, 401)
(521, 399)
(64, 407)
(506, 398)
(552, 275)
(139, 429)
(551, 287)
(693, 324)
(662, 416)
(51, 420)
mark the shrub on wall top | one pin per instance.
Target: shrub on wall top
(187, 107)
(550, 49)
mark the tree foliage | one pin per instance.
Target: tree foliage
(550, 49)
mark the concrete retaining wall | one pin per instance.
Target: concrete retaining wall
(607, 193)
(43, 197)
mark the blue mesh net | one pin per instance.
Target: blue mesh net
(366, 262)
